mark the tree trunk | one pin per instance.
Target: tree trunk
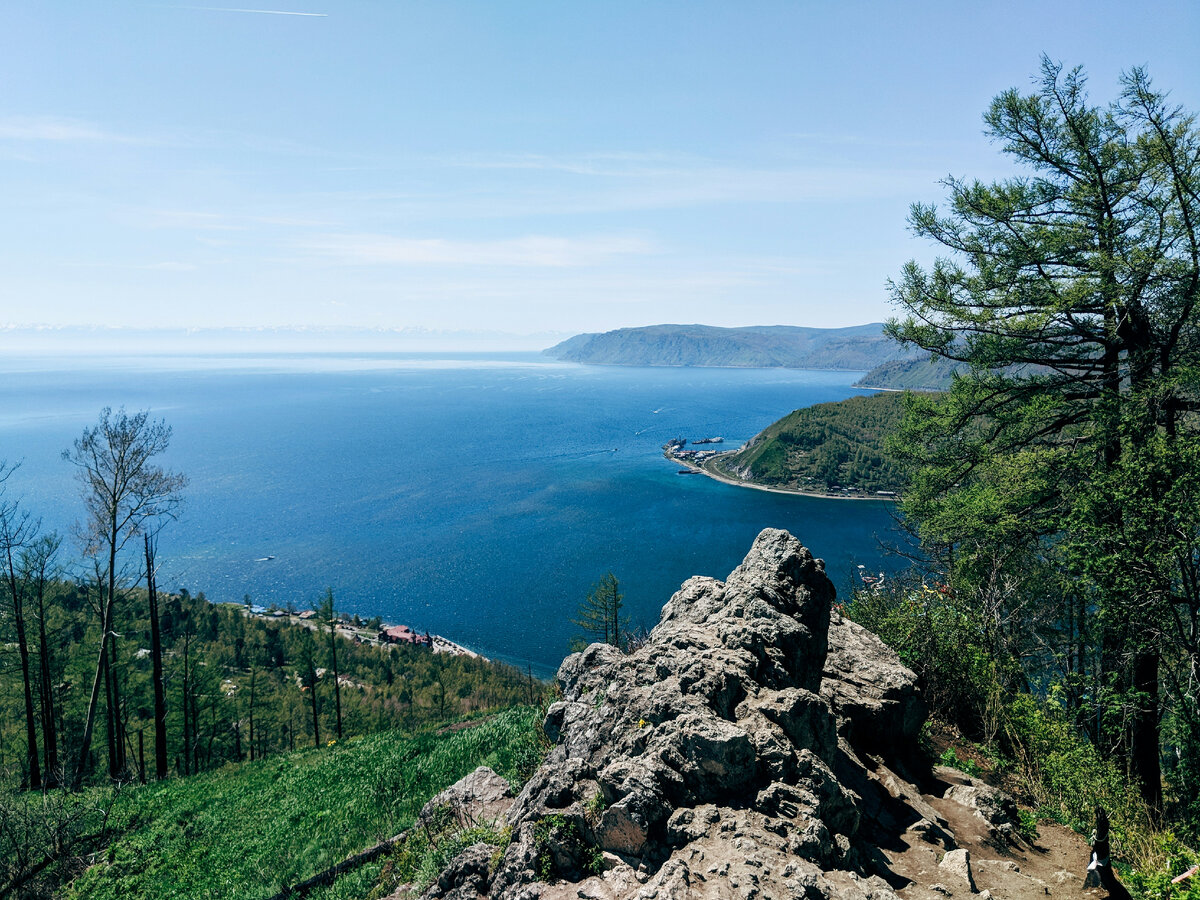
(1144, 731)
(160, 697)
(337, 688)
(106, 611)
(110, 728)
(316, 725)
(252, 680)
(35, 774)
(119, 736)
(49, 734)
(187, 745)
(18, 607)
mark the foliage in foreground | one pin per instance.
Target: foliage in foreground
(248, 830)
(1069, 296)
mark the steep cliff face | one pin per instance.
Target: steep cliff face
(754, 747)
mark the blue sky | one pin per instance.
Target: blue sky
(520, 167)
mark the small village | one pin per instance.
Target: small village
(371, 631)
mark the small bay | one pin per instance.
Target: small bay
(474, 496)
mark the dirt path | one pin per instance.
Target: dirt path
(1054, 866)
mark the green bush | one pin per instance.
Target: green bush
(936, 636)
(1174, 860)
(951, 758)
(1064, 773)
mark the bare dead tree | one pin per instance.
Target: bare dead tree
(123, 490)
(17, 530)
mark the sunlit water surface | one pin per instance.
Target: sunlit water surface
(478, 497)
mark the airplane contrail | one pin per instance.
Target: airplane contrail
(267, 12)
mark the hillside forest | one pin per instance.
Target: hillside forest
(825, 448)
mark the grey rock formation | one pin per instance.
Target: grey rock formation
(958, 864)
(481, 798)
(874, 696)
(703, 764)
(997, 809)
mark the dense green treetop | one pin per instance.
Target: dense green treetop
(1068, 440)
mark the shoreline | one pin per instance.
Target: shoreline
(445, 645)
(705, 468)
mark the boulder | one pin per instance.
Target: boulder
(481, 798)
(996, 808)
(872, 693)
(958, 864)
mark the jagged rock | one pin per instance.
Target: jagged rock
(995, 807)
(873, 694)
(958, 863)
(466, 878)
(702, 765)
(482, 797)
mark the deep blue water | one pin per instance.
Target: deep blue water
(476, 497)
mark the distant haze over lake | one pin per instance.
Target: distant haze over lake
(105, 341)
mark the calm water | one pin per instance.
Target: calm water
(476, 497)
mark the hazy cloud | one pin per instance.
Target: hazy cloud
(534, 251)
(265, 12)
(52, 128)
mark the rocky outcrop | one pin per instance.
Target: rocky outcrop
(743, 751)
(873, 695)
(481, 798)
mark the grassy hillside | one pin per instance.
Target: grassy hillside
(823, 447)
(246, 831)
(774, 346)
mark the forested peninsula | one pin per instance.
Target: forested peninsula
(830, 450)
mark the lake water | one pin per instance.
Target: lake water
(478, 497)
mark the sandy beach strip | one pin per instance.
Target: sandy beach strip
(706, 468)
(445, 645)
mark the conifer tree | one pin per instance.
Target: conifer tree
(599, 614)
(1069, 295)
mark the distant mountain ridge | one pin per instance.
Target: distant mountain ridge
(855, 348)
(859, 347)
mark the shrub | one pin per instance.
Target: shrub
(936, 636)
(558, 833)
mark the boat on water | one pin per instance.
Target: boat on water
(711, 440)
(688, 472)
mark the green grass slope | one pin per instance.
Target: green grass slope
(825, 446)
(248, 830)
